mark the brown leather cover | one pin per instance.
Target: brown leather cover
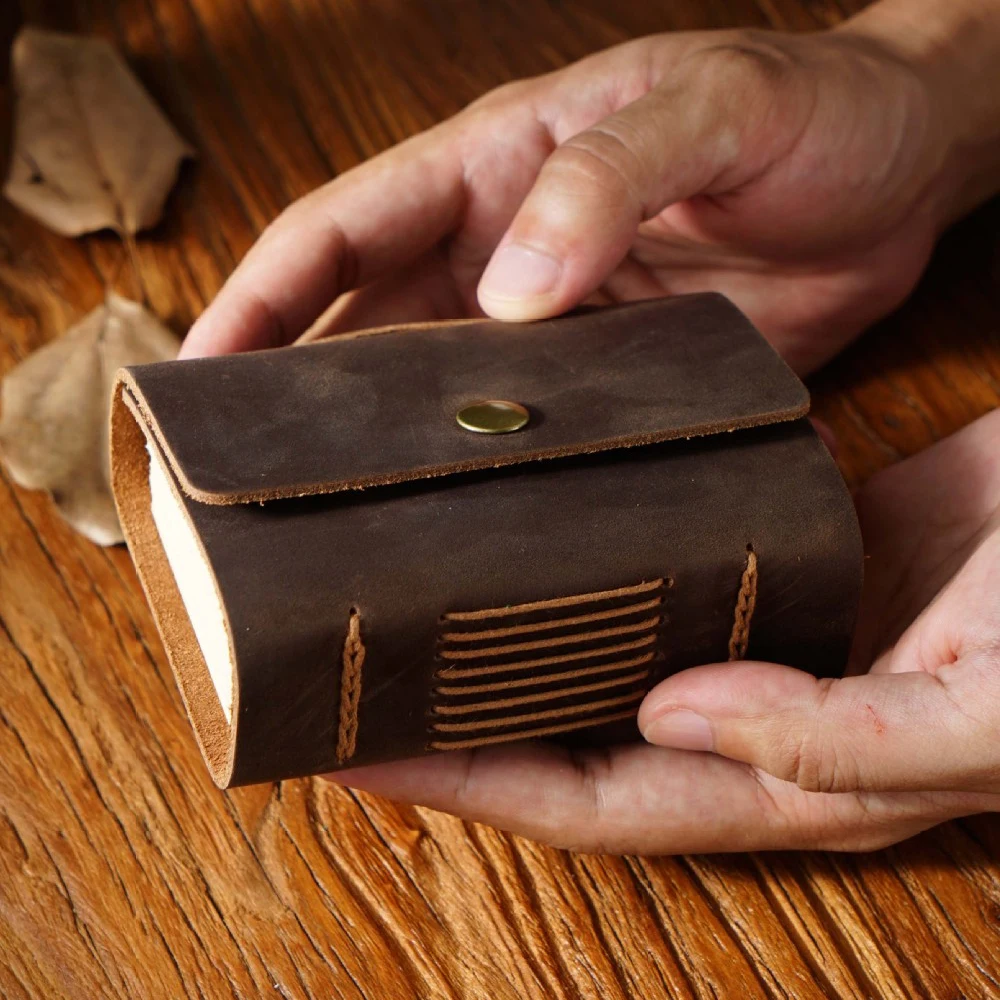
(395, 585)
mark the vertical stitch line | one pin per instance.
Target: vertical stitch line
(352, 660)
(746, 601)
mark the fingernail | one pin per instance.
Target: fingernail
(680, 729)
(518, 272)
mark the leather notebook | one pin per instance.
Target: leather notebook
(344, 570)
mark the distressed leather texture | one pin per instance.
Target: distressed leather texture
(536, 583)
(379, 407)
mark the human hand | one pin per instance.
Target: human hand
(805, 176)
(779, 758)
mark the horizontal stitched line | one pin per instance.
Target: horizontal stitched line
(559, 640)
(563, 727)
(596, 616)
(534, 699)
(457, 673)
(557, 602)
(565, 675)
(551, 713)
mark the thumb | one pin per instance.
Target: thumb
(877, 732)
(581, 216)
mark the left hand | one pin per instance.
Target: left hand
(753, 756)
(805, 176)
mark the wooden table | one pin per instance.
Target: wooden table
(123, 872)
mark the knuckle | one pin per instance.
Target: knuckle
(259, 314)
(808, 765)
(273, 230)
(299, 210)
(593, 830)
(749, 57)
(506, 93)
(318, 210)
(291, 220)
(602, 158)
(824, 767)
(814, 761)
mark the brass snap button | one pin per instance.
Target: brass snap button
(493, 416)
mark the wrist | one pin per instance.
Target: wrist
(953, 48)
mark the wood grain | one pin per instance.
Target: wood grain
(124, 873)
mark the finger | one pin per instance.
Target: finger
(381, 215)
(640, 799)
(636, 798)
(868, 733)
(582, 214)
(421, 293)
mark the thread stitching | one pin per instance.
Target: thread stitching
(531, 681)
(352, 660)
(551, 623)
(543, 710)
(555, 602)
(539, 696)
(746, 602)
(549, 713)
(460, 673)
(570, 639)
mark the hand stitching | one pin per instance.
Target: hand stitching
(352, 659)
(746, 601)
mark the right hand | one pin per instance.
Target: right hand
(801, 175)
(759, 756)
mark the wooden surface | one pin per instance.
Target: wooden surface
(123, 872)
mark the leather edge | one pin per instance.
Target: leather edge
(215, 736)
(473, 465)
(417, 473)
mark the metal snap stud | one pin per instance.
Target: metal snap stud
(493, 416)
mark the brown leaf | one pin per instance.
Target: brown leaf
(91, 149)
(54, 423)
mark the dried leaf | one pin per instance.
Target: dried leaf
(54, 423)
(91, 149)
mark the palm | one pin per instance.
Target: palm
(929, 538)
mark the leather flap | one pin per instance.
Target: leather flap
(379, 407)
